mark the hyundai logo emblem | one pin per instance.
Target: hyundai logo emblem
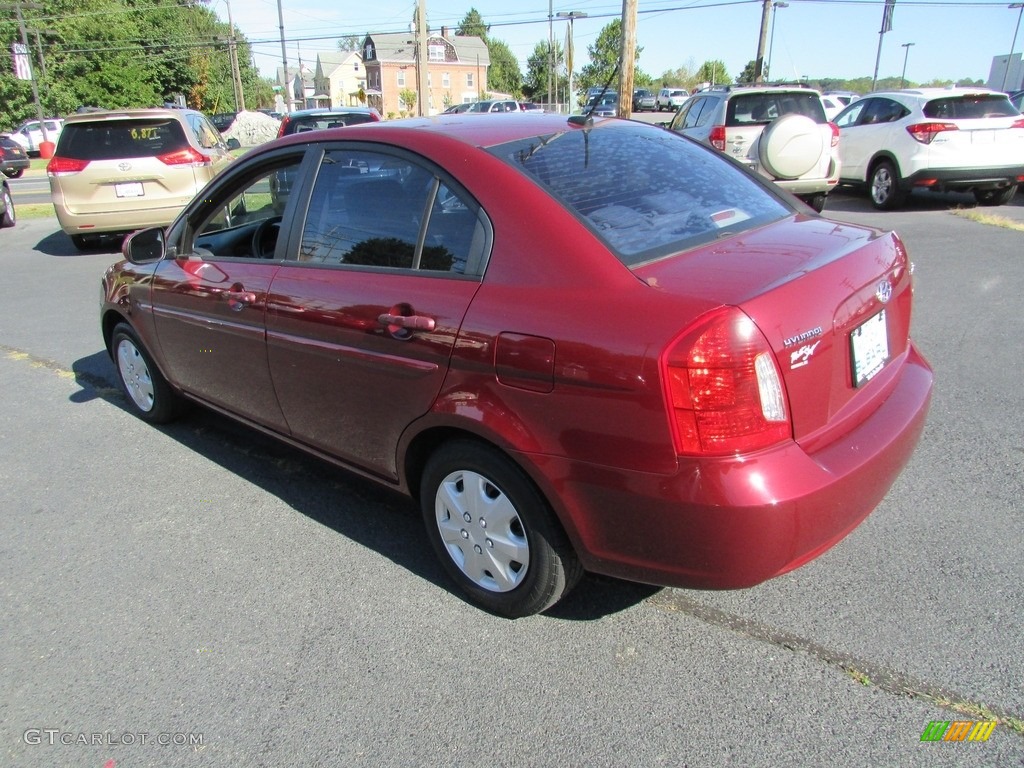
(884, 291)
(124, 166)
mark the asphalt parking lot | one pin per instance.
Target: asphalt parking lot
(200, 595)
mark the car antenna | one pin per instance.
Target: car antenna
(587, 119)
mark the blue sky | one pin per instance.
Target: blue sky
(816, 38)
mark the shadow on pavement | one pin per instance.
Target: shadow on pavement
(58, 244)
(370, 514)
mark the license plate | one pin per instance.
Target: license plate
(983, 137)
(129, 189)
(869, 346)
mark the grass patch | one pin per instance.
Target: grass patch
(34, 211)
(988, 218)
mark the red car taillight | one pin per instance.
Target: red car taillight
(835, 134)
(1018, 123)
(284, 126)
(186, 156)
(724, 390)
(925, 132)
(61, 166)
(717, 137)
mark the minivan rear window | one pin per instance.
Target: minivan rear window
(116, 139)
(971, 107)
(645, 194)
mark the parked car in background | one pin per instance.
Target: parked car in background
(843, 97)
(939, 139)
(604, 106)
(778, 131)
(832, 106)
(30, 133)
(529, 106)
(223, 120)
(493, 106)
(674, 374)
(455, 109)
(670, 98)
(7, 215)
(644, 100)
(318, 119)
(13, 157)
(114, 172)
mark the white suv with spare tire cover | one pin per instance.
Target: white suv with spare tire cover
(939, 139)
(780, 132)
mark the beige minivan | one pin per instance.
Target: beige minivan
(117, 171)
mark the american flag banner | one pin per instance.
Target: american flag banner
(22, 65)
(887, 16)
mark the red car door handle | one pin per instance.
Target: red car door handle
(408, 322)
(239, 299)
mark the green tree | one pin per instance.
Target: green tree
(713, 71)
(407, 97)
(472, 25)
(604, 59)
(538, 65)
(348, 43)
(503, 75)
(749, 72)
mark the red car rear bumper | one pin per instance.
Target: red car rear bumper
(735, 522)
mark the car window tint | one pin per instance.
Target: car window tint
(319, 122)
(117, 139)
(970, 107)
(643, 195)
(852, 114)
(369, 210)
(746, 108)
(243, 221)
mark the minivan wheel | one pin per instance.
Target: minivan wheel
(995, 196)
(149, 394)
(816, 201)
(885, 187)
(494, 532)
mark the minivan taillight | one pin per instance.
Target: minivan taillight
(717, 137)
(724, 390)
(186, 156)
(926, 132)
(62, 166)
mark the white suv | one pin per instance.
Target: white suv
(670, 98)
(778, 131)
(940, 139)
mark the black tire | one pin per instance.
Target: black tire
(83, 242)
(8, 218)
(817, 202)
(884, 187)
(475, 501)
(995, 196)
(14, 174)
(149, 395)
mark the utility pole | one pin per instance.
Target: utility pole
(627, 57)
(422, 88)
(32, 78)
(551, 49)
(762, 40)
(288, 103)
(236, 77)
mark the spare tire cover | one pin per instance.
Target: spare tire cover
(791, 146)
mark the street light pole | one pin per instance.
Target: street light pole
(906, 53)
(771, 43)
(1016, 29)
(571, 16)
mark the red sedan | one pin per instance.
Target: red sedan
(582, 345)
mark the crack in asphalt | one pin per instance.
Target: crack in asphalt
(863, 671)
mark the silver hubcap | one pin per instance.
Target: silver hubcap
(135, 375)
(881, 185)
(482, 531)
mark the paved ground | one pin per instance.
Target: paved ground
(200, 583)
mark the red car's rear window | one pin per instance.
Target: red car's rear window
(646, 193)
